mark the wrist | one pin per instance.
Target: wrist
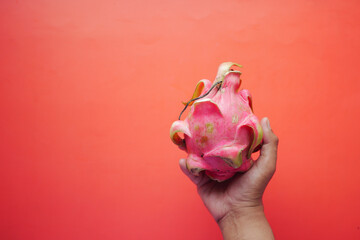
(240, 213)
(246, 223)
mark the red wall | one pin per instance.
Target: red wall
(89, 89)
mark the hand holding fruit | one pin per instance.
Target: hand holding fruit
(236, 204)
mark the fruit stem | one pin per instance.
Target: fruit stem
(194, 99)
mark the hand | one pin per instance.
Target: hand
(242, 193)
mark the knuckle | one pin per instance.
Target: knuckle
(276, 140)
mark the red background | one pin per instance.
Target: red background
(89, 89)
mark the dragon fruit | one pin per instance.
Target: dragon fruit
(220, 132)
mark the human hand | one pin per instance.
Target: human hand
(242, 194)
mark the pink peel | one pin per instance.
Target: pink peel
(221, 131)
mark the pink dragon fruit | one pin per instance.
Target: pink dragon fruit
(220, 132)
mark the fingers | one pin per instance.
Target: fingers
(268, 153)
(193, 178)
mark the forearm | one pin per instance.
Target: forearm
(247, 224)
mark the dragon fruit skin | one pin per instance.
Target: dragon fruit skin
(221, 131)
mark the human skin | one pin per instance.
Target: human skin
(236, 204)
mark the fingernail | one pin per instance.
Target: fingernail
(268, 123)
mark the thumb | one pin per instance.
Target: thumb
(268, 152)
